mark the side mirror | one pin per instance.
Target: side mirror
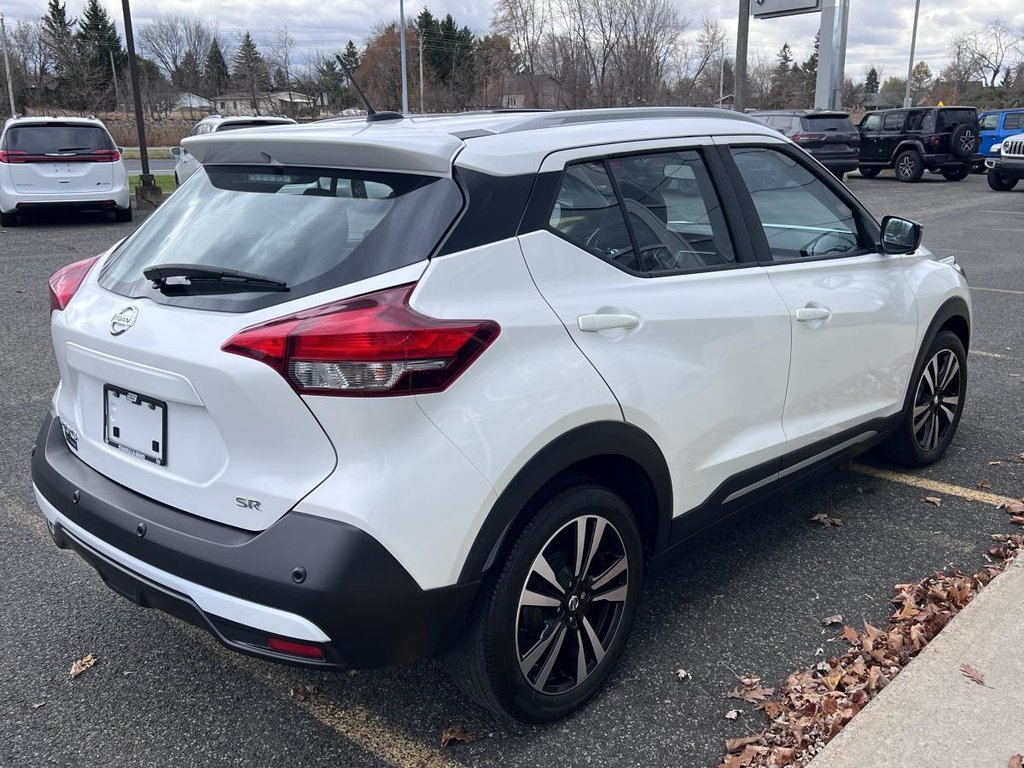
(176, 151)
(900, 236)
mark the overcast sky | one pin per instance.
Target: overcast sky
(879, 30)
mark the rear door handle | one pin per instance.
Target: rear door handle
(606, 321)
(807, 314)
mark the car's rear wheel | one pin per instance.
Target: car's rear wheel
(123, 214)
(909, 166)
(936, 402)
(1000, 183)
(9, 219)
(869, 173)
(956, 174)
(553, 618)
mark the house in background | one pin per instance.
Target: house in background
(191, 106)
(287, 103)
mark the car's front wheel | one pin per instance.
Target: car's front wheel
(936, 402)
(553, 618)
(1000, 183)
(909, 166)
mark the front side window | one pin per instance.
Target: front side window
(990, 122)
(800, 215)
(871, 122)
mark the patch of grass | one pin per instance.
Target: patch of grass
(163, 180)
(155, 153)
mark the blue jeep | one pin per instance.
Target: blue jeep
(996, 126)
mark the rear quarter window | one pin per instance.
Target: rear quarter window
(312, 228)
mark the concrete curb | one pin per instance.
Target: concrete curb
(931, 715)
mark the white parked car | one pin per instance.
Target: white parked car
(367, 392)
(60, 162)
(185, 164)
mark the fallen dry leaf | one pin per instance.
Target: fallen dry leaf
(825, 520)
(682, 674)
(973, 674)
(454, 733)
(830, 620)
(40, 704)
(302, 692)
(1017, 761)
(994, 463)
(1017, 519)
(82, 664)
(1014, 507)
(733, 714)
(984, 484)
(932, 500)
(772, 708)
(851, 635)
(751, 695)
(740, 743)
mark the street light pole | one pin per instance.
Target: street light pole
(147, 191)
(405, 74)
(7, 64)
(907, 98)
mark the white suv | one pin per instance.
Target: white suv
(366, 392)
(185, 164)
(60, 162)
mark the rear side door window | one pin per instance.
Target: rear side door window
(893, 122)
(802, 218)
(1014, 121)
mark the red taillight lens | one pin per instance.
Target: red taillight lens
(293, 648)
(13, 156)
(372, 345)
(66, 280)
(104, 156)
(936, 141)
(798, 137)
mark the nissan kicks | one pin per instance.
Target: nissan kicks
(365, 392)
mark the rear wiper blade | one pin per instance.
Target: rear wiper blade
(208, 279)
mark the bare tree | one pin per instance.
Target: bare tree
(526, 24)
(982, 52)
(282, 48)
(169, 39)
(650, 32)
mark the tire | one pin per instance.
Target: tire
(963, 142)
(177, 182)
(869, 173)
(9, 219)
(1000, 183)
(956, 174)
(909, 167)
(936, 420)
(838, 174)
(521, 660)
(123, 214)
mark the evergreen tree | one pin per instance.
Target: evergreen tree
(351, 57)
(871, 82)
(58, 38)
(188, 76)
(249, 71)
(98, 38)
(216, 77)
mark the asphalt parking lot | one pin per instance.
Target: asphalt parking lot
(747, 599)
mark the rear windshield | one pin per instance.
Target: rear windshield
(313, 228)
(832, 123)
(249, 124)
(947, 118)
(57, 138)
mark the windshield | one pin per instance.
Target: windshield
(312, 228)
(57, 138)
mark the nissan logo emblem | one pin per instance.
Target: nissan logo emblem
(123, 320)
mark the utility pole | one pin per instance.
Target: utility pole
(147, 189)
(7, 64)
(113, 72)
(721, 74)
(907, 98)
(421, 71)
(740, 70)
(405, 73)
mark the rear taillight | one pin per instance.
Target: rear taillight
(798, 137)
(372, 345)
(66, 280)
(13, 156)
(103, 156)
(935, 141)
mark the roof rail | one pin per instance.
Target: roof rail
(585, 116)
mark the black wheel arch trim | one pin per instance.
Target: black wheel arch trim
(614, 439)
(952, 308)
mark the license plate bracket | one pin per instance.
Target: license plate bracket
(135, 424)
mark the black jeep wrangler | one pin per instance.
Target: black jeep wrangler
(938, 139)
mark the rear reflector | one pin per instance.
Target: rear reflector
(66, 281)
(372, 345)
(293, 648)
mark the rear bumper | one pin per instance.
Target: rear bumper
(119, 196)
(837, 163)
(353, 601)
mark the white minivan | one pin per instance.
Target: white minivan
(60, 162)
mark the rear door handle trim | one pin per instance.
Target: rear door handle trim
(606, 322)
(807, 314)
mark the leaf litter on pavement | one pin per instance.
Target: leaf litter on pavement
(816, 703)
(82, 665)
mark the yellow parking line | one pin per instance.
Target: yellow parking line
(997, 290)
(936, 486)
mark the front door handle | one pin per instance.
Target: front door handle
(606, 321)
(807, 314)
